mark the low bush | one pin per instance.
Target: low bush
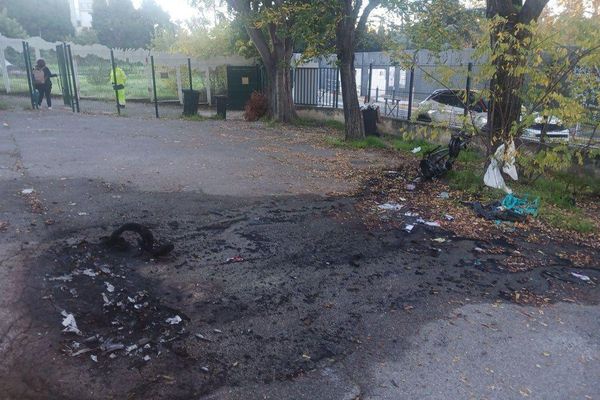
(256, 107)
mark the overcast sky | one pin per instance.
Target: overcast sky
(180, 10)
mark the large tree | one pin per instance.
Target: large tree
(118, 24)
(509, 41)
(339, 26)
(350, 24)
(269, 25)
(10, 27)
(49, 19)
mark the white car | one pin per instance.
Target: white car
(554, 129)
(446, 106)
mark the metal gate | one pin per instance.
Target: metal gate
(241, 82)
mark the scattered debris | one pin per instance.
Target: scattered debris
(439, 240)
(89, 272)
(63, 278)
(94, 358)
(410, 187)
(110, 288)
(81, 214)
(202, 337)
(409, 227)
(390, 206)
(584, 278)
(416, 150)
(439, 160)
(449, 217)
(433, 223)
(27, 191)
(444, 195)
(69, 323)
(235, 259)
(174, 320)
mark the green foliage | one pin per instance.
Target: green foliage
(314, 123)
(438, 25)
(86, 36)
(573, 221)
(407, 145)
(469, 180)
(119, 25)
(49, 19)
(199, 39)
(10, 27)
(370, 142)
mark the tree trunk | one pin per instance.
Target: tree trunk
(280, 100)
(276, 55)
(354, 128)
(345, 35)
(505, 102)
(511, 45)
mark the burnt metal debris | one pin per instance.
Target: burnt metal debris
(440, 160)
(146, 241)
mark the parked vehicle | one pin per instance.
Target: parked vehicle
(553, 130)
(446, 106)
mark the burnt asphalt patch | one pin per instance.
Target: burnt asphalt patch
(268, 289)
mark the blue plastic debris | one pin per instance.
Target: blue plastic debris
(522, 206)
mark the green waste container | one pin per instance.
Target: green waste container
(221, 106)
(191, 98)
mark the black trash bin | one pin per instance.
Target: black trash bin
(191, 98)
(370, 120)
(221, 102)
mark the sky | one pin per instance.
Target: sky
(180, 10)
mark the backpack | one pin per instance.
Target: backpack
(39, 77)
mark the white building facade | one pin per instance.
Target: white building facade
(81, 13)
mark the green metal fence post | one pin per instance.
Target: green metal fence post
(75, 95)
(69, 83)
(337, 87)
(154, 86)
(369, 83)
(411, 87)
(29, 73)
(468, 89)
(63, 76)
(114, 70)
(190, 73)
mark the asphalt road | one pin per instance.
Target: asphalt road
(294, 297)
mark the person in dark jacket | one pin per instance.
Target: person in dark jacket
(42, 82)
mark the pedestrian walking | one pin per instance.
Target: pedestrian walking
(42, 82)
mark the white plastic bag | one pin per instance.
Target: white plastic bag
(493, 176)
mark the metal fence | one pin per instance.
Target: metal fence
(153, 80)
(396, 91)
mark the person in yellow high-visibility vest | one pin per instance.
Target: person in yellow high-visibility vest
(119, 84)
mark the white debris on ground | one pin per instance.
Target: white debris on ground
(69, 323)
